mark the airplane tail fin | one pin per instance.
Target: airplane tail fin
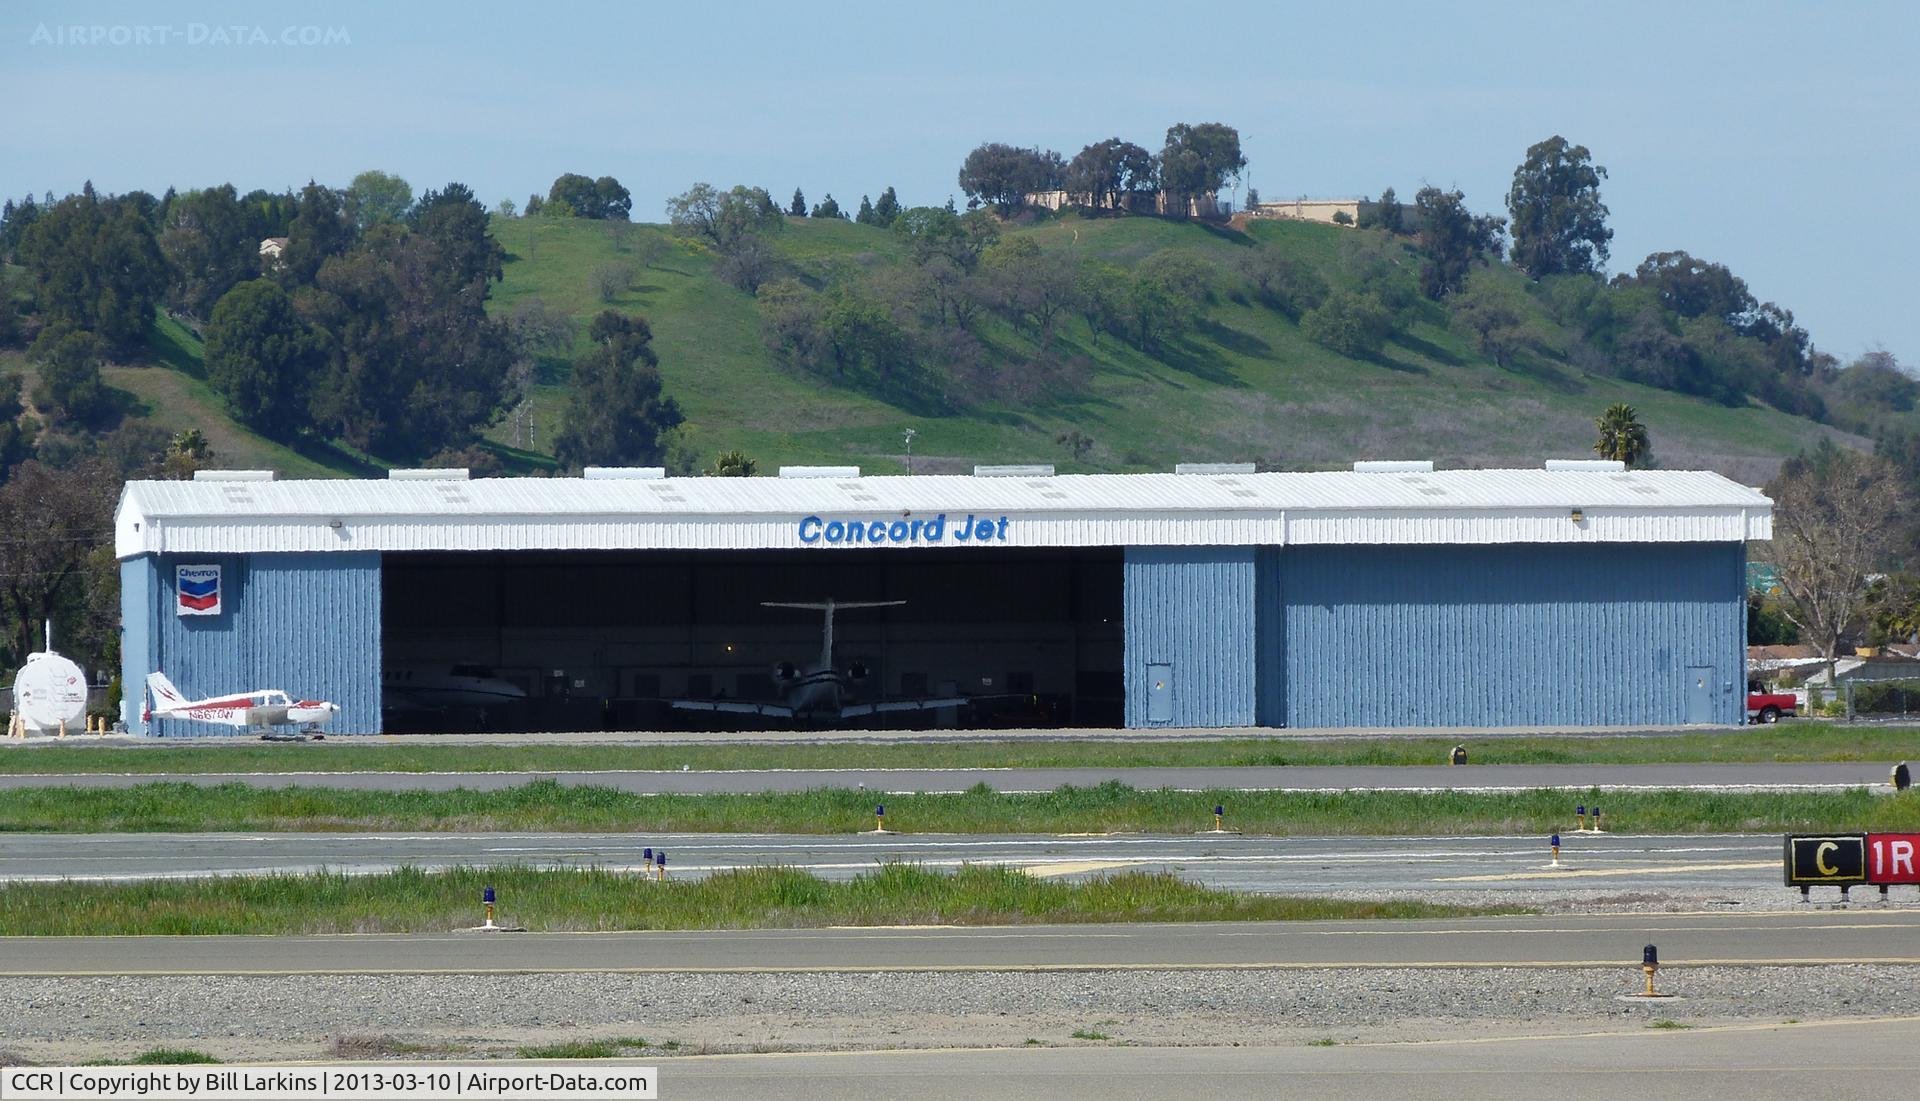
(832, 605)
(165, 696)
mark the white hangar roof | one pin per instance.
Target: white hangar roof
(239, 512)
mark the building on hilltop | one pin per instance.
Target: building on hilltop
(1326, 211)
(1205, 207)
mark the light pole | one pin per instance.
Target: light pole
(909, 434)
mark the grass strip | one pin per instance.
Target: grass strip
(583, 1049)
(545, 805)
(410, 900)
(1787, 742)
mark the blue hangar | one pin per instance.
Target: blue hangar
(1393, 594)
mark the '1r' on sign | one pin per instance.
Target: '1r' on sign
(1890, 857)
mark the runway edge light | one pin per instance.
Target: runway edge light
(1553, 844)
(660, 865)
(486, 898)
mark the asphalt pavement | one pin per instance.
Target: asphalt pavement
(1838, 1059)
(1809, 937)
(1706, 777)
(1699, 863)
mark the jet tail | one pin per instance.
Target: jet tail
(830, 606)
(165, 696)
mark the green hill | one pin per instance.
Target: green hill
(1243, 385)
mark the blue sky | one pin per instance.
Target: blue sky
(1775, 138)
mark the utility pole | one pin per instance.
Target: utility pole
(909, 434)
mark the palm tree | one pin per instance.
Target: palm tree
(186, 453)
(733, 464)
(1622, 436)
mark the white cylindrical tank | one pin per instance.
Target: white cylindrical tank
(51, 690)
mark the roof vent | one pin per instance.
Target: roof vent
(233, 475)
(1393, 466)
(1213, 468)
(819, 472)
(1033, 470)
(428, 474)
(1597, 466)
(624, 473)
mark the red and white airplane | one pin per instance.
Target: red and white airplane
(260, 710)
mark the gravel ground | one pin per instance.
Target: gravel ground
(63, 1020)
(256, 1018)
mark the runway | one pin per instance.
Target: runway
(1613, 940)
(1706, 777)
(1275, 865)
(1840, 1059)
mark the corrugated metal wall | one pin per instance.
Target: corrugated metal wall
(1270, 638)
(137, 658)
(1508, 635)
(308, 624)
(1192, 609)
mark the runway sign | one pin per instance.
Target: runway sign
(1892, 857)
(1839, 860)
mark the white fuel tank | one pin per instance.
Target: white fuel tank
(51, 690)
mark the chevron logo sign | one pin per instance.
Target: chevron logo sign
(198, 588)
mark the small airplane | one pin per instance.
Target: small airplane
(262, 710)
(421, 688)
(820, 693)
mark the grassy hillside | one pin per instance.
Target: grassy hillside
(169, 392)
(1244, 385)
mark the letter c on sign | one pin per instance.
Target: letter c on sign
(810, 534)
(1820, 858)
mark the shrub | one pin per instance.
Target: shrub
(1352, 324)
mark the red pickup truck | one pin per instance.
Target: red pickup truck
(1767, 707)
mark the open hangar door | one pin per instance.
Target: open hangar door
(596, 640)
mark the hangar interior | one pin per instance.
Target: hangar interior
(607, 639)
